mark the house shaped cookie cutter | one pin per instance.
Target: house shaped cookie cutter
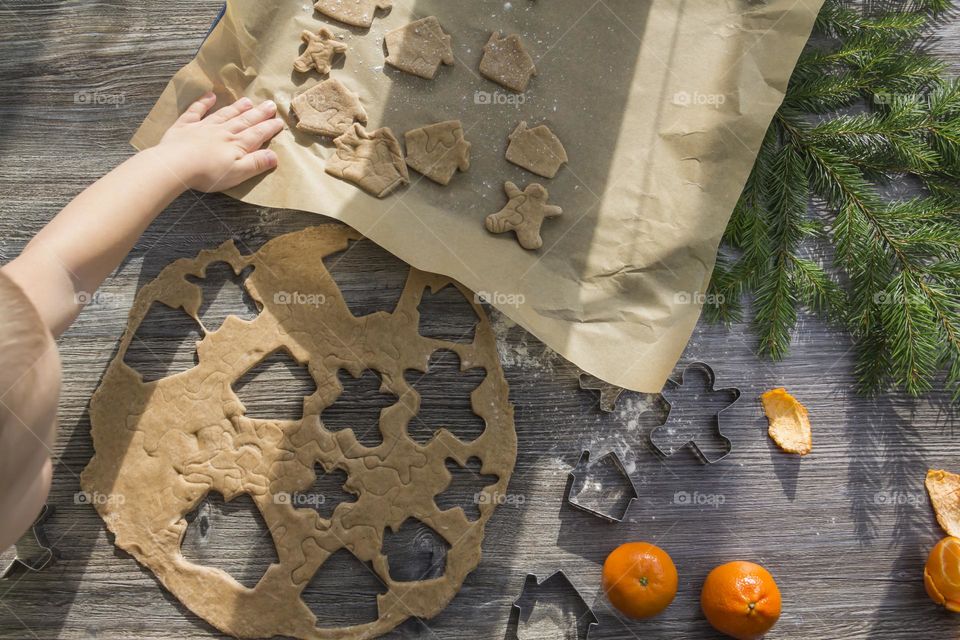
(573, 499)
(585, 621)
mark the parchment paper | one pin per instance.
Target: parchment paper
(662, 105)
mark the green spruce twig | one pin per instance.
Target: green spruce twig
(867, 108)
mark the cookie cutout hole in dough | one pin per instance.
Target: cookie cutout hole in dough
(164, 344)
(369, 278)
(224, 295)
(276, 388)
(466, 488)
(343, 592)
(358, 407)
(325, 494)
(445, 403)
(231, 536)
(446, 315)
(415, 552)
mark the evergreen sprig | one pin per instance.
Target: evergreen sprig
(867, 110)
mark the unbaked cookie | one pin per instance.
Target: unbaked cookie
(524, 214)
(419, 48)
(438, 150)
(537, 150)
(328, 109)
(371, 160)
(322, 48)
(506, 62)
(359, 13)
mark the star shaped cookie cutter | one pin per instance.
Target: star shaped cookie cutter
(32, 550)
(575, 478)
(692, 443)
(585, 621)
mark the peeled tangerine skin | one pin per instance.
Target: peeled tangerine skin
(789, 422)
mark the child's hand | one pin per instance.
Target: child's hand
(218, 152)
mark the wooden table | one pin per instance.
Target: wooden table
(846, 531)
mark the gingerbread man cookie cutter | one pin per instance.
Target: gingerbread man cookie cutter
(727, 444)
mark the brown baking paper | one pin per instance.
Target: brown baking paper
(661, 105)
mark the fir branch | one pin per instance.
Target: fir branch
(899, 261)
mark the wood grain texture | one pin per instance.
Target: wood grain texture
(846, 530)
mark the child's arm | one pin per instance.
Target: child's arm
(86, 241)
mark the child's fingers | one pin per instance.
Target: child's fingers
(255, 137)
(253, 164)
(198, 109)
(231, 112)
(253, 117)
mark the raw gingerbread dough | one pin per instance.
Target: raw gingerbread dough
(524, 214)
(537, 150)
(359, 13)
(328, 109)
(371, 160)
(419, 48)
(506, 62)
(322, 48)
(438, 150)
(162, 447)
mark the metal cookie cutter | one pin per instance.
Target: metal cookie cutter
(32, 550)
(609, 394)
(578, 477)
(692, 443)
(556, 583)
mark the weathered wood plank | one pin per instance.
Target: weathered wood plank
(846, 530)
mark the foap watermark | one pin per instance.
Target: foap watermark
(300, 500)
(898, 299)
(886, 97)
(499, 98)
(97, 299)
(100, 98)
(96, 498)
(298, 298)
(697, 499)
(499, 499)
(697, 99)
(899, 498)
(499, 298)
(699, 298)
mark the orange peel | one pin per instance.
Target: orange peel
(943, 488)
(789, 422)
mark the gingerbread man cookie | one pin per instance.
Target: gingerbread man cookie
(524, 214)
(322, 48)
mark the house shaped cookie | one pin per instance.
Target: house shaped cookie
(537, 150)
(371, 160)
(322, 48)
(506, 62)
(359, 13)
(438, 150)
(419, 48)
(328, 109)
